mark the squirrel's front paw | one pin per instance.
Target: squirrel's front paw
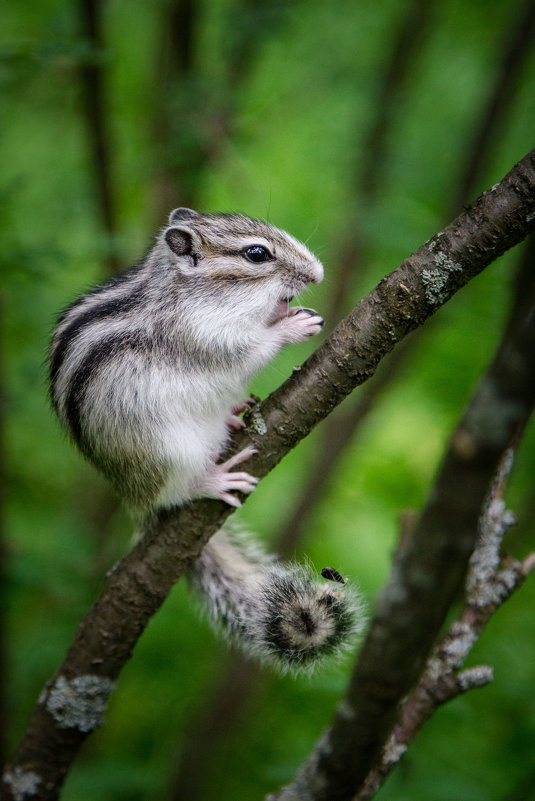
(301, 323)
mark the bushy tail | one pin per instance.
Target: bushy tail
(279, 612)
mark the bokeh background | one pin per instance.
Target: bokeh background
(362, 128)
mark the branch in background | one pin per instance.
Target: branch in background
(517, 47)
(338, 435)
(354, 250)
(221, 709)
(175, 72)
(490, 582)
(257, 18)
(408, 44)
(194, 115)
(426, 576)
(96, 120)
(71, 705)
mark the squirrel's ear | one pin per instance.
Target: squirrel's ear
(183, 241)
(182, 214)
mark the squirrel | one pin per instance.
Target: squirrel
(148, 374)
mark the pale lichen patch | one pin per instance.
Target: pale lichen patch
(22, 784)
(256, 423)
(435, 280)
(346, 711)
(442, 260)
(475, 677)
(79, 703)
(393, 751)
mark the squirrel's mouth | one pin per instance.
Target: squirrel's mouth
(281, 309)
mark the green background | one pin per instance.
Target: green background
(288, 132)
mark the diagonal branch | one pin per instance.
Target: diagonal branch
(427, 574)
(72, 703)
(490, 582)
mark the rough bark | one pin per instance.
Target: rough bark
(427, 574)
(490, 582)
(72, 703)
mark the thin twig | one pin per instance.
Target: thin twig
(489, 583)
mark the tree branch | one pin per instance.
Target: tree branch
(97, 124)
(72, 703)
(194, 115)
(487, 587)
(489, 583)
(426, 576)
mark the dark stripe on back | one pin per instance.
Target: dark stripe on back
(115, 280)
(97, 357)
(101, 311)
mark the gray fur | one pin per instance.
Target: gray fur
(146, 369)
(278, 611)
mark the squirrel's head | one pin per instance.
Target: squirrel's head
(236, 249)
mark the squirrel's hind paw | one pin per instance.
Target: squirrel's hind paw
(219, 482)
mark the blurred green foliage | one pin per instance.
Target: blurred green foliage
(299, 115)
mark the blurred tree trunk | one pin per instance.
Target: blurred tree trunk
(517, 45)
(95, 111)
(195, 111)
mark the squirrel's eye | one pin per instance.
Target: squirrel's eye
(257, 254)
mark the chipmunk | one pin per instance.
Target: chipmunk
(148, 375)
